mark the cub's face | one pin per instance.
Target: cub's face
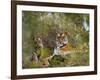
(38, 41)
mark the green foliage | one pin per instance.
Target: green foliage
(57, 61)
(46, 23)
(44, 52)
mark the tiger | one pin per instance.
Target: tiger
(61, 44)
(64, 47)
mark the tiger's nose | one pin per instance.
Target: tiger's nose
(60, 40)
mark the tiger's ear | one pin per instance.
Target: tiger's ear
(63, 35)
(66, 33)
(58, 35)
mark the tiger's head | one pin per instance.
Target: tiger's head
(62, 38)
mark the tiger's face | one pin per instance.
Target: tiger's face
(62, 38)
